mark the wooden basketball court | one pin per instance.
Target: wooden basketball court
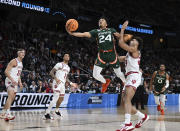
(95, 119)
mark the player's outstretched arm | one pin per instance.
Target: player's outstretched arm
(52, 73)
(78, 34)
(11, 64)
(167, 81)
(122, 44)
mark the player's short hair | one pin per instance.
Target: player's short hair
(66, 54)
(140, 41)
(105, 18)
(162, 64)
(19, 50)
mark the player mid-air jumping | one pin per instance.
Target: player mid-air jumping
(106, 51)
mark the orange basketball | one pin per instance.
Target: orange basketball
(72, 25)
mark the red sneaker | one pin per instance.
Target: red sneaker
(159, 108)
(126, 127)
(142, 121)
(105, 85)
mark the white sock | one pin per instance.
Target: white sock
(8, 111)
(156, 98)
(140, 115)
(52, 103)
(4, 111)
(120, 74)
(127, 118)
(57, 110)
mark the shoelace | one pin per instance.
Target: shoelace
(140, 122)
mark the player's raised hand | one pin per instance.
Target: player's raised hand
(68, 31)
(125, 24)
(117, 35)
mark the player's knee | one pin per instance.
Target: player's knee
(62, 96)
(55, 97)
(157, 101)
(11, 96)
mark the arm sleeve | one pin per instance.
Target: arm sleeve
(57, 66)
(93, 33)
(167, 84)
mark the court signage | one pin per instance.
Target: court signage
(31, 100)
(95, 100)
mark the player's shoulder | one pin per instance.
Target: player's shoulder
(59, 64)
(167, 74)
(94, 30)
(112, 29)
(155, 72)
(13, 62)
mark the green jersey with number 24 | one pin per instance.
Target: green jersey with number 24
(104, 38)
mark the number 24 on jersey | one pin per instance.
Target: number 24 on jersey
(102, 38)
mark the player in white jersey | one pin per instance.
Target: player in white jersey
(13, 79)
(133, 79)
(59, 74)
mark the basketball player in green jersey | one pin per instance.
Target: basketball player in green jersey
(106, 51)
(159, 83)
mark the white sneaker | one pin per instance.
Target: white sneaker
(126, 127)
(142, 121)
(9, 117)
(2, 115)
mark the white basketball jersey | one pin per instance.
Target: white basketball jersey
(15, 72)
(62, 71)
(132, 64)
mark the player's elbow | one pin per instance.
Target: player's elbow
(51, 73)
(86, 34)
(6, 72)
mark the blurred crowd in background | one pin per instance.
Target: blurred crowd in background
(44, 48)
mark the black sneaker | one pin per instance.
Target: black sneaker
(47, 116)
(58, 113)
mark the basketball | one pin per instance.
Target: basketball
(72, 25)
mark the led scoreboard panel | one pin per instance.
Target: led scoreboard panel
(139, 29)
(40, 6)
